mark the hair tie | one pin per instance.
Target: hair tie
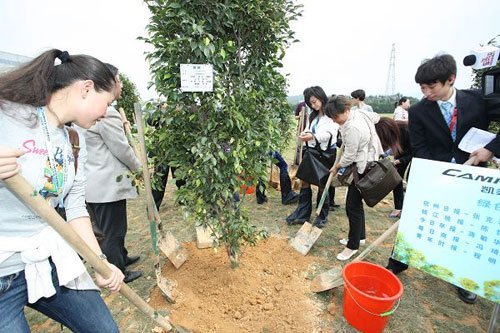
(64, 57)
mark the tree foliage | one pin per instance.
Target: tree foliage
(385, 104)
(219, 140)
(128, 97)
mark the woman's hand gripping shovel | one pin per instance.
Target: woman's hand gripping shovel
(309, 234)
(24, 191)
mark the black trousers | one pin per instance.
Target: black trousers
(356, 215)
(398, 192)
(159, 193)
(111, 218)
(395, 265)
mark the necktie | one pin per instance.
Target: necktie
(447, 111)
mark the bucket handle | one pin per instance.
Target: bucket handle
(383, 314)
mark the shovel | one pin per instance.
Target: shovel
(172, 251)
(18, 185)
(167, 243)
(333, 277)
(329, 182)
(128, 133)
(298, 146)
(305, 238)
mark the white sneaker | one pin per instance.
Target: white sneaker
(346, 254)
(344, 241)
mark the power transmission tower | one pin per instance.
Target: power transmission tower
(390, 85)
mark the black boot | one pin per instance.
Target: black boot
(303, 211)
(331, 193)
(260, 192)
(320, 220)
(287, 195)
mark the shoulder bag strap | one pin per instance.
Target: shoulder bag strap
(74, 139)
(371, 133)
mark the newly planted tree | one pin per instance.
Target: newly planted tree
(219, 140)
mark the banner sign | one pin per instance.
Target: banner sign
(450, 225)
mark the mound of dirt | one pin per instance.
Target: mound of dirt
(269, 292)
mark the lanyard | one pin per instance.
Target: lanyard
(315, 125)
(58, 184)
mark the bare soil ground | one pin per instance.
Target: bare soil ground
(269, 292)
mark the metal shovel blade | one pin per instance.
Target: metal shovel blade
(172, 249)
(305, 238)
(326, 280)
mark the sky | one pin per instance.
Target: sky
(344, 45)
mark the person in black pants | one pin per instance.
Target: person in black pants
(288, 196)
(159, 192)
(394, 136)
(110, 157)
(321, 130)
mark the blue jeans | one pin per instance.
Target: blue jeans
(79, 310)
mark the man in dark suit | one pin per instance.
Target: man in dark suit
(440, 120)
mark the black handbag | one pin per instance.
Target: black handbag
(316, 163)
(381, 177)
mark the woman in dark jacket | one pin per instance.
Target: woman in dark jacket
(394, 135)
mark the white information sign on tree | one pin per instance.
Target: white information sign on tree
(450, 226)
(197, 77)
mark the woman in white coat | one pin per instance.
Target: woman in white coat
(361, 145)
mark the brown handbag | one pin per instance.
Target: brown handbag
(381, 177)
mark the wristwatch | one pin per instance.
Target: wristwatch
(102, 256)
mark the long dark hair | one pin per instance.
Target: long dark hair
(389, 134)
(402, 100)
(34, 82)
(319, 93)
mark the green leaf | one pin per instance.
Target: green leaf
(245, 42)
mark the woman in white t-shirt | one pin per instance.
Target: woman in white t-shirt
(322, 128)
(38, 268)
(401, 111)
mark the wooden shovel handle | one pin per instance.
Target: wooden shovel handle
(329, 181)
(378, 241)
(325, 192)
(24, 191)
(145, 170)
(128, 134)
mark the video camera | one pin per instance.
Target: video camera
(486, 57)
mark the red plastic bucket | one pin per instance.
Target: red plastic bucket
(247, 190)
(371, 294)
(247, 187)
